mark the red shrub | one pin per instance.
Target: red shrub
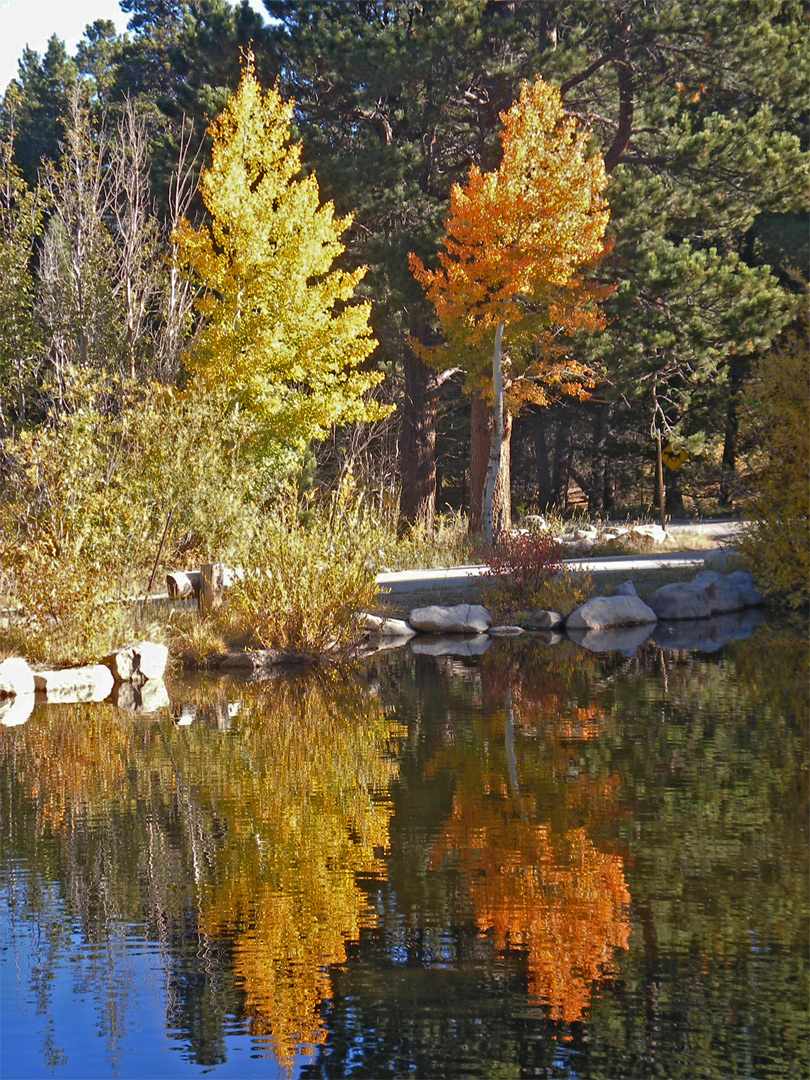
(523, 562)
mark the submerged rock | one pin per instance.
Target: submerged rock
(623, 639)
(505, 631)
(16, 710)
(452, 646)
(708, 635)
(149, 697)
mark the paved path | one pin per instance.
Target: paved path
(460, 577)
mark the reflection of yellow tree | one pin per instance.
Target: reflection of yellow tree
(307, 817)
(72, 764)
(542, 887)
(268, 823)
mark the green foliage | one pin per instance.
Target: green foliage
(309, 579)
(85, 500)
(20, 331)
(778, 541)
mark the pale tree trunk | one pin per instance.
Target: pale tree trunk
(480, 449)
(494, 466)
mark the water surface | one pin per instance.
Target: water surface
(541, 862)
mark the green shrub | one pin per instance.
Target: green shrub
(777, 543)
(85, 500)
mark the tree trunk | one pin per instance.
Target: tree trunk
(491, 532)
(480, 444)
(417, 447)
(544, 496)
(561, 473)
(729, 467)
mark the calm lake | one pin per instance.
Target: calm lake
(539, 862)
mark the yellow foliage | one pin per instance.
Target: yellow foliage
(280, 332)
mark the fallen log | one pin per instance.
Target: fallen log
(182, 583)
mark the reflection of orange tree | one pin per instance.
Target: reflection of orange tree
(304, 817)
(537, 882)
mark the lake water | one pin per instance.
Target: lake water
(539, 862)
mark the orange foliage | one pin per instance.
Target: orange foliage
(515, 242)
(557, 897)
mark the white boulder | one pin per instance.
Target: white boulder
(601, 612)
(397, 628)
(139, 662)
(460, 619)
(16, 677)
(93, 682)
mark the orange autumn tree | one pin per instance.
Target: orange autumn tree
(515, 243)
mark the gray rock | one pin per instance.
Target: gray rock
(460, 619)
(534, 523)
(601, 612)
(452, 646)
(747, 585)
(652, 532)
(722, 559)
(627, 588)
(622, 639)
(723, 595)
(388, 627)
(547, 620)
(505, 631)
(16, 710)
(16, 677)
(681, 600)
(138, 662)
(90, 683)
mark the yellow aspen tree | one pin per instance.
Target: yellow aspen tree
(516, 240)
(281, 337)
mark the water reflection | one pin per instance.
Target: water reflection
(519, 827)
(535, 861)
